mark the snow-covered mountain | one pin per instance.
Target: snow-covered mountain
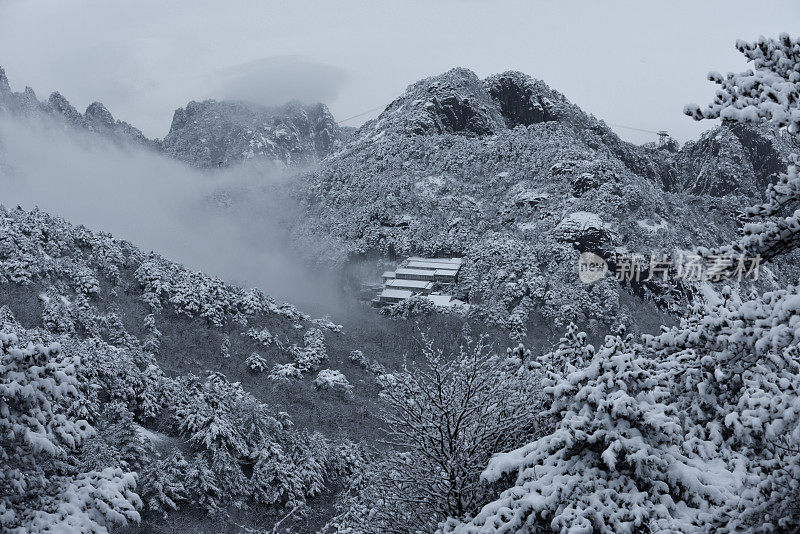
(505, 172)
(96, 118)
(212, 133)
(204, 134)
(497, 170)
(509, 174)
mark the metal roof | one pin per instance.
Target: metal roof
(417, 272)
(416, 284)
(396, 293)
(458, 261)
(416, 264)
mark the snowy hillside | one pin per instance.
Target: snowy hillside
(495, 170)
(135, 331)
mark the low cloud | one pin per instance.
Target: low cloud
(225, 223)
(273, 81)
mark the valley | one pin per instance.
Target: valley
(266, 321)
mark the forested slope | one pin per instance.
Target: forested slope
(509, 174)
(135, 355)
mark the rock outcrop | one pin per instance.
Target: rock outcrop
(219, 133)
(732, 159)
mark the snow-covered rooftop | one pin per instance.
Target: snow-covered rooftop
(410, 284)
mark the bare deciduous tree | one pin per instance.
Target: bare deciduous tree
(445, 419)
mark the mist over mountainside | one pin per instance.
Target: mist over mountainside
(462, 166)
(219, 406)
(225, 222)
(96, 118)
(204, 134)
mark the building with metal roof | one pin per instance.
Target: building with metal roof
(394, 295)
(419, 276)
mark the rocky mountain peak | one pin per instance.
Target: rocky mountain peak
(453, 102)
(458, 102)
(5, 88)
(208, 133)
(523, 100)
(219, 133)
(97, 115)
(732, 159)
(61, 105)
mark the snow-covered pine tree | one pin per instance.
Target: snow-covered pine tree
(134, 449)
(770, 92)
(309, 452)
(153, 340)
(616, 462)
(735, 371)
(40, 489)
(213, 434)
(201, 482)
(164, 490)
(276, 479)
(256, 363)
(755, 380)
(150, 397)
(257, 423)
(571, 354)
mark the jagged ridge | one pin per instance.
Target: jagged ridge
(203, 134)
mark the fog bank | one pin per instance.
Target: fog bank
(225, 223)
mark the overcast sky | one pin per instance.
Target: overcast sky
(631, 63)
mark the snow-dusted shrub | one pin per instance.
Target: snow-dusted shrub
(285, 372)
(305, 359)
(325, 322)
(313, 351)
(411, 307)
(263, 336)
(256, 363)
(366, 363)
(334, 380)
